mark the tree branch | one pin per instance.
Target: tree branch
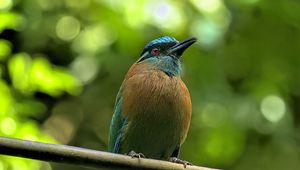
(81, 156)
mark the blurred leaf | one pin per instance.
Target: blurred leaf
(10, 20)
(30, 108)
(5, 99)
(30, 76)
(5, 49)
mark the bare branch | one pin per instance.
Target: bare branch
(81, 156)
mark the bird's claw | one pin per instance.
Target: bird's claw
(136, 155)
(179, 161)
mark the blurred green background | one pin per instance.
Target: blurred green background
(62, 62)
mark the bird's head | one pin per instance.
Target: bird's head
(164, 53)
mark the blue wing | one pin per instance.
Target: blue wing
(118, 122)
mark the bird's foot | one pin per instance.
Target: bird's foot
(136, 155)
(179, 161)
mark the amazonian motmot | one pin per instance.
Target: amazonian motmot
(153, 107)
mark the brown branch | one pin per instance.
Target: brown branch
(81, 156)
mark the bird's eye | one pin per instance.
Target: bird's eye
(155, 51)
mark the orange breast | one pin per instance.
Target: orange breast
(151, 96)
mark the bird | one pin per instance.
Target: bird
(153, 108)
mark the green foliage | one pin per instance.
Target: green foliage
(5, 49)
(32, 75)
(62, 62)
(10, 20)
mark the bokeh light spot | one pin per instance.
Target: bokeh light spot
(11, 20)
(67, 28)
(209, 6)
(207, 32)
(8, 126)
(18, 66)
(78, 4)
(44, 4)
(5, 4)
(30, 137)
(250, 1)
(213, 115)
(5, 49)
(19, 164)
(1, 165)
(272, 108)
(164, 14)
(29, 75)
(222, 144)
(93, 39)
(132, 9)
(85, 68)
(5, 99)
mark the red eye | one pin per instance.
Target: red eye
(155, 51)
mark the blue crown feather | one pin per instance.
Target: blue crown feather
(160, 40)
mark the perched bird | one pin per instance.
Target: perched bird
(153, 107)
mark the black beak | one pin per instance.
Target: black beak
(179, 48)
